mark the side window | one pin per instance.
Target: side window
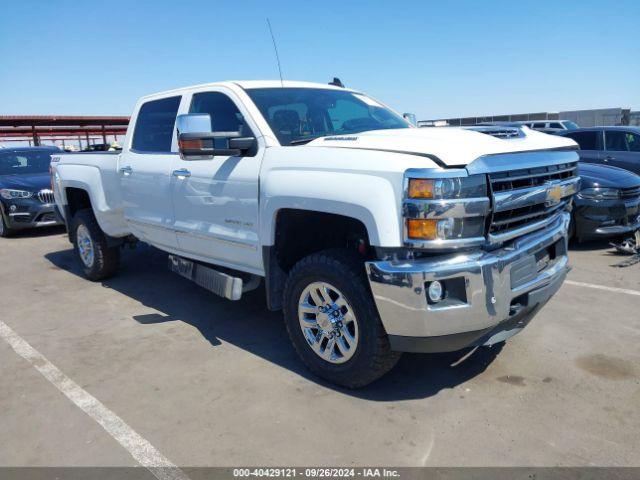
(586, 140)
(154, 125)
(555, 125)
(616, 141)
(225, 116)
(633, 140)
(539, 125)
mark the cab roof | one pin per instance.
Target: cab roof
(248, 84)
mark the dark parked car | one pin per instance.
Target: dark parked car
(26, 199)
(608, 203)
(614, 146)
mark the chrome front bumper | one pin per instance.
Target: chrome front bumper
(499, 291)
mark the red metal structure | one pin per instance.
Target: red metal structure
(35, 128)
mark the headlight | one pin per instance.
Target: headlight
(445, 229)
(447, 188)
(600, 193)
(11, 194)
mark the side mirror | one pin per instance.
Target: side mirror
(197, 141)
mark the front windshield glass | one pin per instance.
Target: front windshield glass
(570, 125)
(298, 115)
(20, 162)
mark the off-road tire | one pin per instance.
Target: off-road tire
(344, 270)
(106, 259)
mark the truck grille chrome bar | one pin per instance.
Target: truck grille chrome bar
(527, 199)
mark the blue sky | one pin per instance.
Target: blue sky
(434, 58)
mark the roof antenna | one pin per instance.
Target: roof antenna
(276, 49)
(336, 82)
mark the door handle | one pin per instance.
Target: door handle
(609, 157)
(181, 173)
(126, 171)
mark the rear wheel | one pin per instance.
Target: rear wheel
(333, 322)
(98, 260)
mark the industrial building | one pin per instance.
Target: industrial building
(584, 118)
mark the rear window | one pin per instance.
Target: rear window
(154, 126)
(586, 140)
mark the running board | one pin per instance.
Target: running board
(217, 282)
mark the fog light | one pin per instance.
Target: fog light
(13, 208)
(435, 291)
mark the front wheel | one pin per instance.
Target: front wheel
(98, 260)
(333, 322)
(4, 230)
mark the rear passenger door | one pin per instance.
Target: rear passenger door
(590, 143)
(622, 149)
(145, 173)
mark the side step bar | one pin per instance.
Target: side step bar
(217, 282)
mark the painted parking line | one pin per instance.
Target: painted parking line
(603, 287)
(139, 448)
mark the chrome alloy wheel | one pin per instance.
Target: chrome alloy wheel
(328, 322)
(85, 246)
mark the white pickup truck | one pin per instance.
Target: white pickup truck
(374, 237)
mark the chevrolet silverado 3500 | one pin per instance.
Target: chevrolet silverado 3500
(373, 237)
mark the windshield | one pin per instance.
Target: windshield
(298, 115)
(20, 162)
(569, 125)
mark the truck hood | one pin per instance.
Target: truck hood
(448, 146)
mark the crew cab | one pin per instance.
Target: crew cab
(374, 237)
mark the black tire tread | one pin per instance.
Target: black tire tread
(6, 232)
(107, 258)
(350, 265)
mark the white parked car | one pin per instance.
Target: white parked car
(373, 237)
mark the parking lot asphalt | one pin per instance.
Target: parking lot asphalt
(209, 382)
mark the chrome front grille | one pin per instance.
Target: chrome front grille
(531, 177)
(46, 196)
(630, 193)
(527, 199)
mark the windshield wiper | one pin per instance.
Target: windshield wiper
(302, 141)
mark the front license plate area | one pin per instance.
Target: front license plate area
(528, 268)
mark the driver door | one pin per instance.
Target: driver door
(216, 200)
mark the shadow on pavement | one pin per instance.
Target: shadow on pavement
(37, 232)
(248, 324)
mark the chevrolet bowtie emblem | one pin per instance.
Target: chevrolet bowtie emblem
(554, 194)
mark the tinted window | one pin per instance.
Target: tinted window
(299, 115)
(586, 140)
(616, 141)
(16, 163)
(633, 140)
(225, 116)
(555, 125)
(539, 125)
(154, 126)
